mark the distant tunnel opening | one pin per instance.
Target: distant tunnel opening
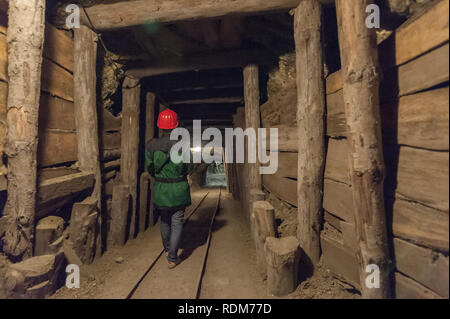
(215, 176)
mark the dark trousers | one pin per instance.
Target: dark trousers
(171, 229)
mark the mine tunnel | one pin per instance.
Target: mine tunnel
(352, 97)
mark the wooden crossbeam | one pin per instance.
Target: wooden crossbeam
(228, 59)
(192, 80)
(204, 94)
(219, 100)
(131, 13)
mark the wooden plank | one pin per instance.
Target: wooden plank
(56, 147)
(336, 123)
(334, 82)
(338, 199)
(427, 267)
(349, 234)
(64, 185)
(53, 172)
(422, 176)
(3, 97)
(110, 140)
(420, 224)
(424, 72)
(420, 120)
(56, 113)
(337, 167)
(340, 260)
(287, 164)
(56, 80)
(110, 122)
(332, 220)
(122, 14)
(287, 139)
(58, 47)
(407, 288)
(3, 58)
(283, 188)
(422, 34)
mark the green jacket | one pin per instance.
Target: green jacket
(171, 188)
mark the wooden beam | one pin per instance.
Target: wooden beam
(203, 93)
(25, 46)
(311, 126)
(150, 114)
(359, 56)
(217, 100)
(85, 104)
(193, 80)
(62, 186)
(125, 14)
(228, 59)
(130, 143)
(252, 120)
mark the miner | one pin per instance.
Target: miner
(171, 188)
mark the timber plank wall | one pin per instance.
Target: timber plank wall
(57, 145)
(414, 97)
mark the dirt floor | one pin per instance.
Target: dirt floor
(230, 270)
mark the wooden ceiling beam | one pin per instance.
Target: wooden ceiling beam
(126, 14)
(216, 100)
(228, 59)
(203, 94)
(177, 82)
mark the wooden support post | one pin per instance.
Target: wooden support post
(130, 143)
(359, 56)
(143, 199)
(282, 255)
(120, 212)
(85, 108)
(84, 229)
(252, 120)
(26, 23)
(239, 121)
(161, 108)
(85, 103)
(150, 113)
(263, 220)
(149, 116)
(311, 126)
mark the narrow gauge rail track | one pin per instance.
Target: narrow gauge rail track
(196, 293)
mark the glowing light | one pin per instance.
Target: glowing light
(196, 149)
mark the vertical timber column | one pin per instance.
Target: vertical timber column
(359, 56)
(26, 23)
(311, 126)
(252, 120)
(150, 112)
(131, 91)
(149, 116)
(161, 108)
(85, 104)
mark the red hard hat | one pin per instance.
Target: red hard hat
(167, 120)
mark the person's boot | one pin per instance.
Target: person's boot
(173, 264)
